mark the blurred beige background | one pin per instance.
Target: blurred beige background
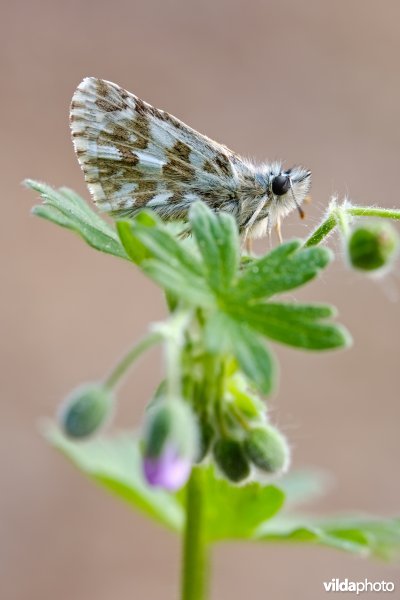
(311, 82)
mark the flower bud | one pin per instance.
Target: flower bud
(373, 246)
(85, 410)
(244, 400)
(231, 460)
(267, 449)
(170, 444)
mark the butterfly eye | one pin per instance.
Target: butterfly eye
(280, 185)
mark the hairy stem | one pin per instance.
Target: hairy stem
(125, 363)
(370, 211)
(174, 332)
(331, 221)
(195, 549)
(322, 231)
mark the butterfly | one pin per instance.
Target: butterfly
(135, 156)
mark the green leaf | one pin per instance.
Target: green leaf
(134, 248)
(285, 268)
(296, 325)
(218, 243)
(164, 259)
(65, 208)
(375, 537)
(167, 249)
(382, 536)
(184, 286)
(235, 512)
(115, 463)
(226, 335)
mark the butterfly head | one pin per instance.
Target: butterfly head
(290, 187)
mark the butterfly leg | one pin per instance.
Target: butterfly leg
(279, 230)
(248, 245)
(247, 242)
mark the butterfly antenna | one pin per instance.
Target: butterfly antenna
(300, 210)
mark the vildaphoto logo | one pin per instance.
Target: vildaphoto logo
(345, 585)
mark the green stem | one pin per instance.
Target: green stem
(342, 221)
(174, 335)
(124, 364)
(355, 211)
(195, 548)
(322, 231)
(370, 211)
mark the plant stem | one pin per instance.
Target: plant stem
(355, 211)
(322, 231)
(195, 548)
(124, 364)
(174, 335)
(370, 211)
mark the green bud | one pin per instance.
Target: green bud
(85, 410)
(267, 449)
(372, 246)
(249, 405)
(231, 460)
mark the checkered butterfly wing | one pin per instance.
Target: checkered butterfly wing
(134, 155)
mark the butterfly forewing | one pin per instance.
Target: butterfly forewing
(134, 155)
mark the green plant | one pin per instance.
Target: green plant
(207, 429)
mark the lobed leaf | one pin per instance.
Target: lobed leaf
(236, 512)
(293, 324)
(217, 239)
(285, 268)
(166, 248)
(65, 208)
(182, 285)
(115, 463)
(231, 512)
(164, 259)
(134, 248)
(379, 538)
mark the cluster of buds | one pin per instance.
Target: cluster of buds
(262, 450)
(246, 446)
(234, 434)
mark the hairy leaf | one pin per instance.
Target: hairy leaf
(367, 536)
(218, 243)
(285, 268)
(115, 463)
(293, 324)
(64, 207)
(236, 512)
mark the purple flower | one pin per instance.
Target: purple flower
(169, 470)
(170, 444)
